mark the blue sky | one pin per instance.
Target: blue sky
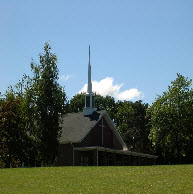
(137, 47)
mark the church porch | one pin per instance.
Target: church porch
(100, 156)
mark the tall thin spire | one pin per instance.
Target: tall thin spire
(89, 97)
(89, 54)
(89, 89)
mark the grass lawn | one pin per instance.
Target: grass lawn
(141, 179)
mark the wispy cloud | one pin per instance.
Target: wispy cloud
(64, 77)
(106, 87)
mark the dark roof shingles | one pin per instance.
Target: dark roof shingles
(75, 126)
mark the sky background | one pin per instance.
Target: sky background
(137, 47)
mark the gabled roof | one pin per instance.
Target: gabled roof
(75, 126)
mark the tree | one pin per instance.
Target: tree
(132, 123)
(30, 116)
(49, 103)
(171, 118)
(77, 103)
(12, 133)
(106, 103)
(26, 91)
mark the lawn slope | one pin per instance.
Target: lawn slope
(148, 179)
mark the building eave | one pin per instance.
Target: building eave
(115, 151)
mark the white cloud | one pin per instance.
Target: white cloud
(106, 87)
(64, 77)
(130, 94)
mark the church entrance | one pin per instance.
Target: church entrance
(105, 159)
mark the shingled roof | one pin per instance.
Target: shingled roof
(75, 126)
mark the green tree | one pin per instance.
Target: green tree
(77, 103)
(25, 89)
(48, 99)
(171, 117)
(30, 116)
(12, 133)
(123, 120)
(132, 123)
(106, 103)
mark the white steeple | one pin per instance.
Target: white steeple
(89, 97)
(89, 89)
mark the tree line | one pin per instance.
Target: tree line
(30, 116)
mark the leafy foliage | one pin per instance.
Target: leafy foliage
(49, 101)
(30, 116)
(77, 103)
(12, 134)
(106, 103)
(132, 124)
(172, 122)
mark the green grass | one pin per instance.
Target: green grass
(148, 179)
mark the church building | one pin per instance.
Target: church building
(90, 138)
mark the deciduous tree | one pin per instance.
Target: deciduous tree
(12, 133)
(132, 123)
(49, 102)
(171, 117)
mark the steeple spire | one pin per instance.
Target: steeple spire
(89, 98)
(89, 89)
(89, 54)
